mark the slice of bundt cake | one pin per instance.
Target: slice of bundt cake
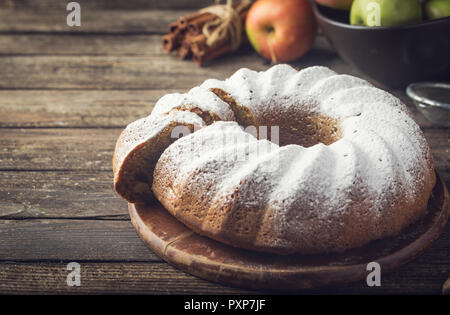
(142, 142)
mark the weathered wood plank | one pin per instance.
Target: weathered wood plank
(57, 149)
(83, 195)
(423, 276)
(94, 44)
(86, 108)
(155, 70)
(92, 21)
(91, 149)
(59, 108)
(106, 278)
(136, 72)
(104, 4)
(76, 44)
(114, 72)
(73, 240)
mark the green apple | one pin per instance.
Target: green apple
(385, 12)
(437, 9)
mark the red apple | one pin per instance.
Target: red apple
(336, 4)
(281, 30)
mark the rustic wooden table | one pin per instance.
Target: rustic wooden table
(65, 95)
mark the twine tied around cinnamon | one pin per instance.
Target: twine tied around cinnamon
(227, 23)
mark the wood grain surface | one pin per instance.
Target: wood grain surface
(224, 264)
(104, 4)
(122, 21)
(65, 95)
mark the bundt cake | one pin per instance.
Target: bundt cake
(281, 161)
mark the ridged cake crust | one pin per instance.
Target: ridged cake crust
(142, 142)
(351, 165)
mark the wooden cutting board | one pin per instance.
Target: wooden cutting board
(214, 261)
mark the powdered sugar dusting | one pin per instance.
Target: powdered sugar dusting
(382, 156)
(198, 97)
(148, 127)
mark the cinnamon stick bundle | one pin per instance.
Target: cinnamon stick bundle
(185, 51)
(185, 20)
(195, 26)
(186, 36)
(171, 42)
(203, 54)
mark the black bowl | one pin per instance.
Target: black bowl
(395, 56)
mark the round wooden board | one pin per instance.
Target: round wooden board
(214, 261)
